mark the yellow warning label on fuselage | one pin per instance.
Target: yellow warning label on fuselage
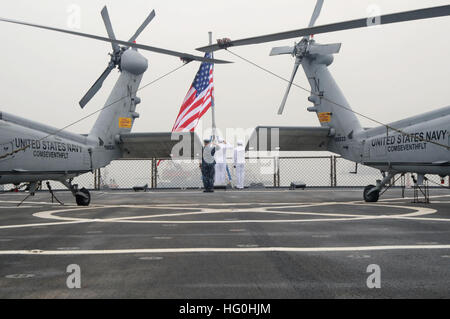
(324, 117)
(125, 122)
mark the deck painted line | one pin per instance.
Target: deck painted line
(44, 224)
(416, 212)
(249, 221)
(29, 203)
(221, 250)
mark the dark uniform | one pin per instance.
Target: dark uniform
(208, 167)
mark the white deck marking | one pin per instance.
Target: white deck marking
(243, 221)
(416, 212)
(221, 208)
(43, 224)
(223, 250)
(30, 203)
(175, 211)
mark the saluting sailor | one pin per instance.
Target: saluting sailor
(208, 165)
(221, 162)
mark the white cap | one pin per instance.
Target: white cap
(240, 142)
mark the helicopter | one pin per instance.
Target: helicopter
(31, 152)
(418, 144)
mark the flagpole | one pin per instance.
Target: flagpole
(213, 104)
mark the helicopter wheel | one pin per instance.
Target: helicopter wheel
(84, 199)
(373, 196)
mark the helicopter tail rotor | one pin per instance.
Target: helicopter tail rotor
(286, 95)
(109, 28)
(146, 22)
(97, 86)
(282, 50)
(306, 46)
(116, 55)
(316, 13)
(324, 49)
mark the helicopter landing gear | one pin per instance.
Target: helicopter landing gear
(31, 188)
(82, 196)
(372, 193)
(421, 180)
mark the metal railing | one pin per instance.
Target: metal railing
(314, 171)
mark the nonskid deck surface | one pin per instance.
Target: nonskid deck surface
(230, 244)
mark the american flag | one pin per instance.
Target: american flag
(198, 99)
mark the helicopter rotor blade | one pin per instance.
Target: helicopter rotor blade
(184, 56)
(109, 28)
(325, 49)
(96, 87)
(143, 26)
(315, 16)
(282, 50)
(286, 95)
(420, 14)
(316, 13)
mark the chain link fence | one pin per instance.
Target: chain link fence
(313, 171)
(319, 171)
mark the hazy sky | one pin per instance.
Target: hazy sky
(387, 73)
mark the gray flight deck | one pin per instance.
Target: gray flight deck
(315, 243)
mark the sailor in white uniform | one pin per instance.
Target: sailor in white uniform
(221, 162)
(239, 164)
